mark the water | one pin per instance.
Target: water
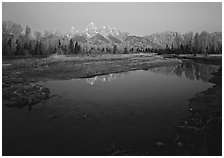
(96, 116)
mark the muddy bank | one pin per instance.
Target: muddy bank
(20, 76)
(201, 133)
(209, 59)
(62, 67)
(19, 92)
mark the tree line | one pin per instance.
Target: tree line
(17, 42)
(204, 43)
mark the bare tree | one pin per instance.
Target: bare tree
(37, 35)
(204, 41)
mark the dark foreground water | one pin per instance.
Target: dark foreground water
(129, 111)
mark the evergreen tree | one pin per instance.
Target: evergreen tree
(167, 49)
(10, 41)
(187, 49)
(181, 48)
(40, 48)
(59, 43)
(115, 49)
(76, 47)
(71, 47)
(36, 49)
(18, 47)
(125, 50)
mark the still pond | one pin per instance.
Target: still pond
(95, 116)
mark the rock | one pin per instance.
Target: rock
(51, 116)
(115, 153)
(188, 129)
(176, 139)
(192, 144)
(5, 64)
(160, 144)
(9, 103)
(29, 101)
(5, 85)
(119, 153)
(180, 144)
(191, 110)
(85, 114)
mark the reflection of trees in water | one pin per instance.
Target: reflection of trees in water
(105, 78)
(192, 70)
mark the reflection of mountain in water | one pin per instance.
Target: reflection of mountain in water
(192, 70)
(104, 78)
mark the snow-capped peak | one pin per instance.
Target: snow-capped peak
(74, 30)
(91, 29)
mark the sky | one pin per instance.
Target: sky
(136, 18)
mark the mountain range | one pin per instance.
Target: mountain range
(111, 36)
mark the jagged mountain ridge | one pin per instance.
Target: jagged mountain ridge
(113, 36)
(97, 35)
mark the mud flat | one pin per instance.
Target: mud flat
(20, 76)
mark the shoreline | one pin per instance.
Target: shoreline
(215, 59)
(202, 131)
